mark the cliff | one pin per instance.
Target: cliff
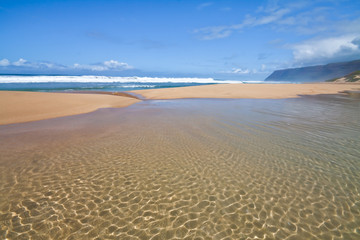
(315, 73)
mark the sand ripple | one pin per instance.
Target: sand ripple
(189, 169)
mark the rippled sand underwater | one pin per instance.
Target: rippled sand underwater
(186, 169)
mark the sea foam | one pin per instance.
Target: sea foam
(84, 79)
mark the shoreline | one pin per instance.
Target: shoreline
(19, 107)
(251, 91)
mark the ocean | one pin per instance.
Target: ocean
(43, 83)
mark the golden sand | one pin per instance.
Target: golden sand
(16, 107)
(263, 91)
(186, 169)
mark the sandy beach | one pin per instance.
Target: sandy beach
(186, 169)
(257, 91)
(181, 169)
(179, 120)
(19, 107)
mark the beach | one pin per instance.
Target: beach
(180, 120)
(198, 168)
(31, 106)
(254, 91)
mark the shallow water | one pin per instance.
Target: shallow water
(195, 169)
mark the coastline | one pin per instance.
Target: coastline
(18, 107)
(255, 91)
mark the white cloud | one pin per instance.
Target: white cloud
(318, 50)
(274, 16)
(4, 62)
(209, 33)
(305, 18)
(21, 62)
(110, 65)
(238, 71)
(107, 65)
(246, 71)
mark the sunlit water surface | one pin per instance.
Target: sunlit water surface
(186, 169)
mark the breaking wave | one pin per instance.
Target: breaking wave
(106, 79)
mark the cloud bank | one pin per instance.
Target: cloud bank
(327, 49)
(4, 63)
(325, 35)
(245, 71)
(22, 64)
(105, 66)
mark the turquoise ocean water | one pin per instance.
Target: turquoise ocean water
(44, 83)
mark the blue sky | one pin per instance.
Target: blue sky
(243, 40)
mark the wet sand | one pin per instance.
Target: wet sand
(19, 107)
(256, 91)
(16, 107)
(186, 169)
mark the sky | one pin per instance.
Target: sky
(229, 39)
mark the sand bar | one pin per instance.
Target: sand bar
(263, 91)
(16, 107)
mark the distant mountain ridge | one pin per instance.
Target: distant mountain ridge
(318, 73)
